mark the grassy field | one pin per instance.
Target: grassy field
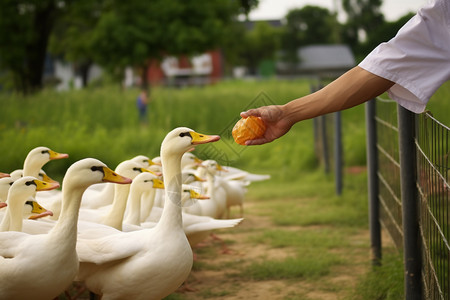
(103, 123)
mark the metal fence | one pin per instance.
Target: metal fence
(408, 168)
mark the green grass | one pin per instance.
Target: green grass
(384, 282)
(311, 266)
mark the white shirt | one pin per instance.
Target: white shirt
(417, 59)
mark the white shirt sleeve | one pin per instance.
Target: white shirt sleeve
(417, 59)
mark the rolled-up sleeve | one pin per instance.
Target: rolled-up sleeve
(417, 59)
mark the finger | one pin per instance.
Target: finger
(255, 142)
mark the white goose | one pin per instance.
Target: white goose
(214, 207)
(233, 173)
(18, 194)
(190, 161)
(149, 263)
(97, 199)
(148, 163)
(142, 189)
(5, 184)
(37, 158)
(235, 190)
(113, 215)
(188, 176)
(142, 160)
(34, 162)
(43, 266)
(32, 209)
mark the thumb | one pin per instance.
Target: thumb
(250, 112)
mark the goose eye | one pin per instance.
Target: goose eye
(137, 169)
(183, 134)
(28, 183)
(45, 151)
(97, 168)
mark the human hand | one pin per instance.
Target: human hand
(273, 118)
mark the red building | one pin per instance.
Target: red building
(184, 70)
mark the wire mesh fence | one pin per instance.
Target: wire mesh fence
(431, 152)
(432, 142)
(389, 170)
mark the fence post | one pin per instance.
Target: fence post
(372, 172)
(410, 207)
(338, 152)
(323, 133)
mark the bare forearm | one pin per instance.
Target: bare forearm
(353, 88)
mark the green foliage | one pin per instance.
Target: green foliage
(363, 16)
(260, 43)
(25, 27)
(133, 32)
(306, 26)
(382, 33)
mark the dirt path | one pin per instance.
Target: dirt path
(212, 275)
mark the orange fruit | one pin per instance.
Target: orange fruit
(248, 129)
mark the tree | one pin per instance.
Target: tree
(131, 33)
(306, 26)
(383, 33)
(73, 34)
(25, 27)
(363, 17)
(260, 43)
(113, 33)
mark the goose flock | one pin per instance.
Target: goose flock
(127, 233)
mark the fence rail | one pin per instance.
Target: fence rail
(408, 160)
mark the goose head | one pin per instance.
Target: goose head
(16, 174)
(145, 181)
(38, 157)
(189, 160)
(131, 169)
(44, 177)
(211, 166)
(189, 176)
(145, 161)
(183, 139)
(89, 171)
(5, 184)
(189, 194)
(24, 188)
(35, 210)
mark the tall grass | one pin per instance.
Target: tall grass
(103, 122)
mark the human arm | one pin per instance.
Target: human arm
(353, 88)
